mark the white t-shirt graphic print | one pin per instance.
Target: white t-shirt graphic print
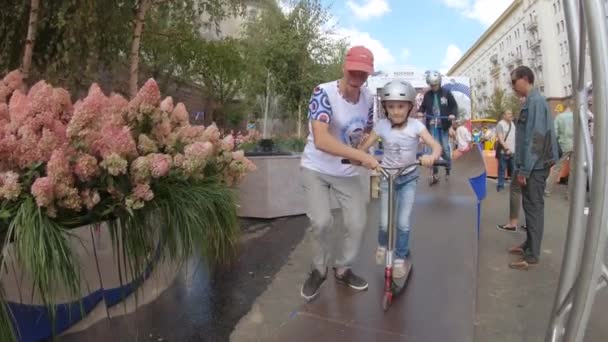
(347, 123)
(400, 144)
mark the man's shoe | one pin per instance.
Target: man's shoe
(351, 280)
(517, 250)
(506, 227)
(311, 286)
(522, 265)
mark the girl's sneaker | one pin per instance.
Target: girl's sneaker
(400, 268)
(380, 255)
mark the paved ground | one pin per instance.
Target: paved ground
(515, 305)
(258, 297)
(438, 304)
(200, 306)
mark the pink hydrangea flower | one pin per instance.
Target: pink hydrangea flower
(10, 188)
(227, 144)
(145, 145)
(115, 164)
(58, 168)
(71, 200)
(87, 114)
(159, 165)
(86, 167)
(40, 99)
(43, 191)
(143, 191)
(167, 105)
(178, 160)
(17, 107)
(64, 101)
(179, 116)
(161, 131)
(140, 170)
(198, 150)
(4, 92)
(191, 134)
(115, 140)
(13, 80)
(211, 134)
(115, 110)
(148, 96)
(4, 115)
(90, 198)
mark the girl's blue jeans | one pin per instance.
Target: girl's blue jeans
(405, 193)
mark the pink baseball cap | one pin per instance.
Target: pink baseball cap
(359, 58)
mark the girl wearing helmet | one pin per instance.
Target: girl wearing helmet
(400, 134)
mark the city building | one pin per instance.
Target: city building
(232, 26)
(529, 32)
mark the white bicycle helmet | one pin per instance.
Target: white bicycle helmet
(433, 78)
(398, 91)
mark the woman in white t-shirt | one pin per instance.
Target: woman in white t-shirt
(400, 135)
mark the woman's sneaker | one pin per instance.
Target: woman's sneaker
(400, 268)
(310, 289)
(380, 255)
(351, 280)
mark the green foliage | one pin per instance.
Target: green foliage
(78, 41)
(513, 103)
(295, 50)
(219, 66)
(6, 329)
(291, 144)
(497, 104)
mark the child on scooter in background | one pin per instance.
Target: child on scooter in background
(400, 134)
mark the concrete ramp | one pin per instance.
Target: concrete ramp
(439, 302)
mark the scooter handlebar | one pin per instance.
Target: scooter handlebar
(383, 169)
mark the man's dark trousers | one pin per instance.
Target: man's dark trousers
(534, 209)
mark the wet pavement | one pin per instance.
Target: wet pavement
(438, 303)
(205, 306)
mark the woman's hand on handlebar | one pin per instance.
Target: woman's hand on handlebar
(369, 162)
(427, 160)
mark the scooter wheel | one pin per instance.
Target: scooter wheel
(387, 301)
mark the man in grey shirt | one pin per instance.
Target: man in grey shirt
(535, 153)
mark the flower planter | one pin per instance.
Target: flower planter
(102, 286)
(275, 190)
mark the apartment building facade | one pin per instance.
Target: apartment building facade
(529, 32)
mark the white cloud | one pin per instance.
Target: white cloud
(369, 9)
(285, 6)
(405, 54)
(484, 11)
(382, 55)
(452, 55)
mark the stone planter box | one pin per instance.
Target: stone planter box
(275, 190)
(103, 291)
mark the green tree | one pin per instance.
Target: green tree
(220, 67)
(513, 103)
(497, 104)
(189, 11)
(288, 54)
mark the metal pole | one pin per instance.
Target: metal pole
(576, 219)
(595, 241)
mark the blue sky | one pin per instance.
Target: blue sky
(421, 34)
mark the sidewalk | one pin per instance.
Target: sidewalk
(516, 305)
(438, 304)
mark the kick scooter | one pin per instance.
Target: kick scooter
(394, 286)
